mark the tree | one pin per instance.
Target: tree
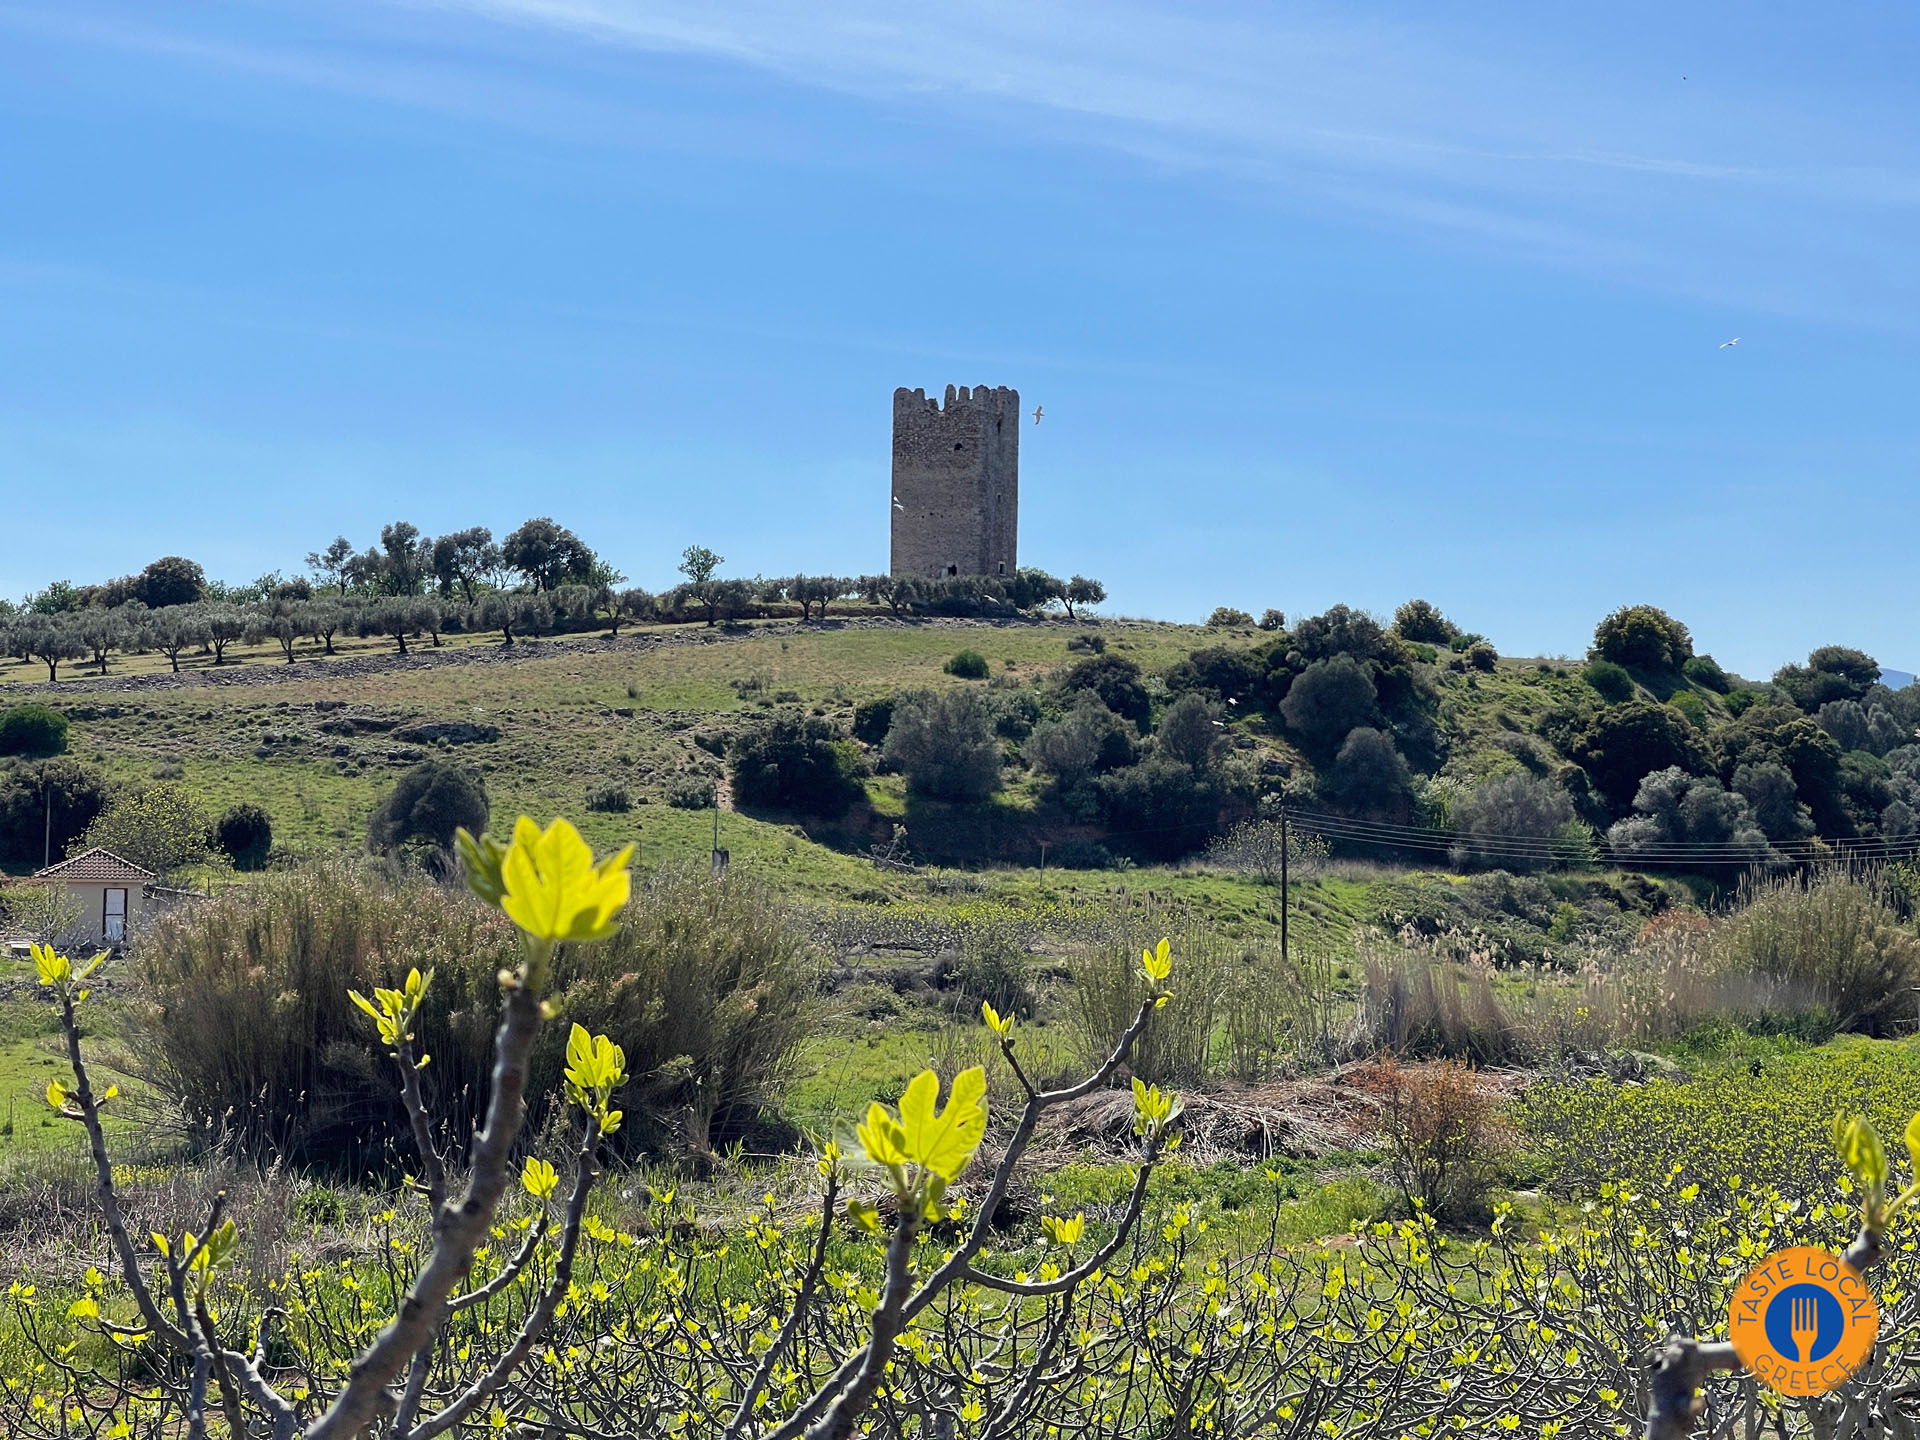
(426, 806)
(547, 555)
(1784, 736)
(796, 762)
(1262, 850)
(1510, 821)
(698, 563)
(1118, 683)
(57, 599)
(398, 616)
(882, 590)
(1369, 777)
(1088, 740)
(327, 618)
(170, 631)
(463, 559)
(1677, 813)
(245, 833)
(171, 580)
(404, 558)
(1082, 591)
(47, 638)
(1190, 733)
(1229, 675)
(330, 565)
(1272, 619)
(507, 613)
(101, 631)
(44, 806)
(35, 731)
(281, 622)
(1770, 793)
(1643, 637)
(47, 913)
(1036, 590)
(1422, 622)
(225, 624)
(1833, 672)
(944, 743)
(1225, 617)
(1625, 743)
(159, 828)
(1610, 681)
(1328, 700)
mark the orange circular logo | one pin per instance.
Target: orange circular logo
(1803, 1321)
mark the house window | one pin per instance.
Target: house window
(113, 919)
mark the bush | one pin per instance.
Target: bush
(688, 791)
(1419, 621)
(1838, 932)
(1226, 617)
(1330, 698)
(1610, 681)
(1511, 821)
(1645, 637)
(1118, 683)
(968, 665)
(1624, 744)
(1271, 619)
(240, 1011)
(1705, 671)
(945, 745)
(1482, 656)
(1369, 776)
(1190, 733)
(609, 799)
(1689, 704)
(245, 834)
(1088, 740)
(1678, 811)
(1444, 1136)
(35, 731)
(47, 800)
(871, 719)
(426, 805)
(991, 965)
(1161, 808)
(796, 763)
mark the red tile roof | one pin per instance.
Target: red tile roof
(97, 867)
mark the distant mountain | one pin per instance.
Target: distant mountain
(1896, 679)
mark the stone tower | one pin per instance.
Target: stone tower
(956, 482)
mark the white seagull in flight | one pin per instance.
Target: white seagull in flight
(1036, 414)
(896, 503)
(1731, 343)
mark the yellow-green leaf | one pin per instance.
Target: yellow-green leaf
(540, 1178)
(943, 1141)
(552, 888)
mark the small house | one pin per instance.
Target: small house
(115, 896)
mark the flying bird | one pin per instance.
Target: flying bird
(896, 503)
(1036, 414)
(1731, 343)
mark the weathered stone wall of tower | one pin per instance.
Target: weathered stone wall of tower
(956, 482)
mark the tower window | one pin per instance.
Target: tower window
(953, 569)
(1003, 567)
(958, 446)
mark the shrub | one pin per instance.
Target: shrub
(1271, 619)
(1256, 849)
(1645, 637)
(1611, 681)
(1225, 617)
(689, 791)
(1088, 740)
(968, 665)
(1221, 672)
(1369, 776)
(1482, 656)
(1444, 1135)
(991, 965)
(1831, 930)
(1189, 732)
(426, 805)
(35, 731)
(240, 1011)
(945, 745)
(1330, 698)
(1624, 744)
(1769, 792)
(609, 799)
(245, 834)
(1161, 807)
(1118, 683)
(1678, 812)
(47, 801)
(1421, 621)
(1705, 671)
(796, 763)
(1510, 820)
(1689, 704)
(871, 719)
(1833, 672)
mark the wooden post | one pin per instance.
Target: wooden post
(1285, 846)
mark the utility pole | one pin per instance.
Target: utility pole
(46, 847)
(720, 857)
(1285, 846)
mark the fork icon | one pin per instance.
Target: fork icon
(1806, 1327)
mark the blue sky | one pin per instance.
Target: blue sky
(1324, 304)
